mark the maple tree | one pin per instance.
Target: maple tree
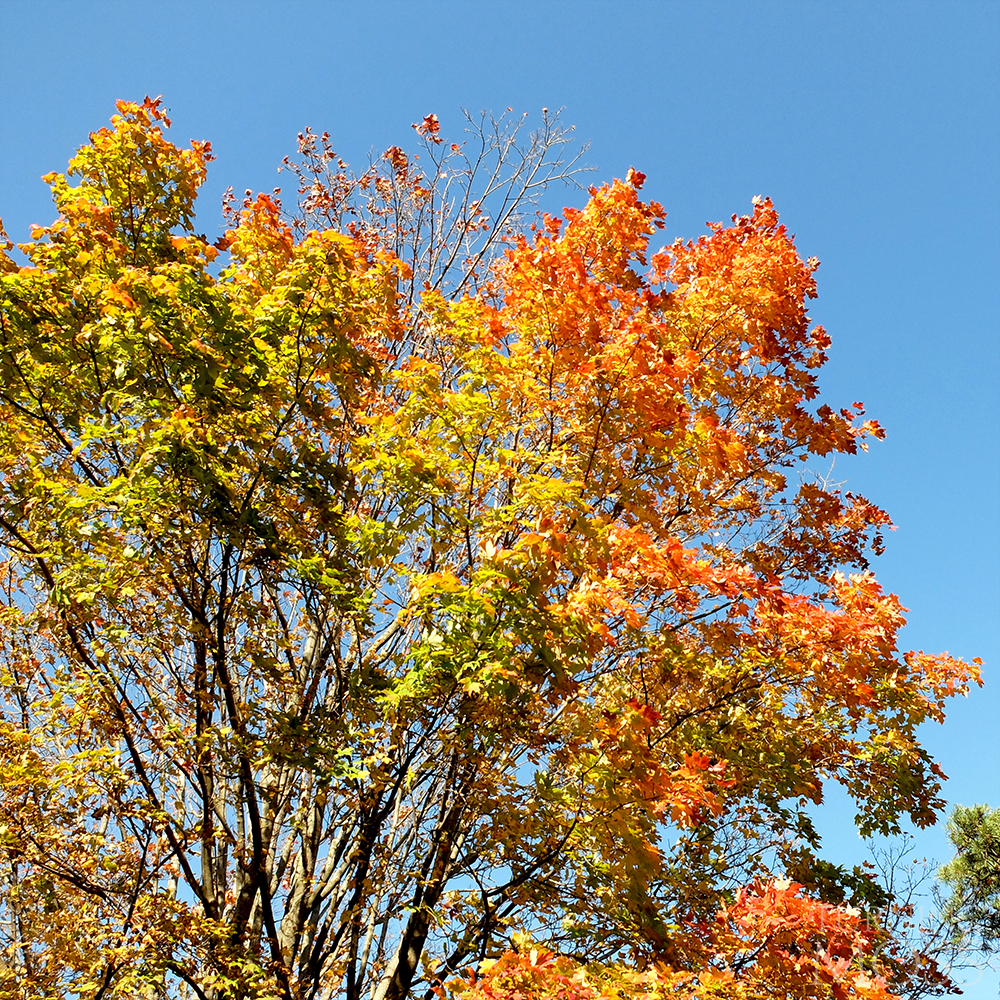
(396, 585)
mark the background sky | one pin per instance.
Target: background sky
(874, 126)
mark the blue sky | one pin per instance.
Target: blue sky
(874, 126)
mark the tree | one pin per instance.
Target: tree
(394, 592)
(972, 909)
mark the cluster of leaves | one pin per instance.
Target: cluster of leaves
(771, 941)
(371, 595)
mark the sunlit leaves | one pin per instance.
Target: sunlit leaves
(362, 616)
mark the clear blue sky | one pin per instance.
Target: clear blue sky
(874, 126)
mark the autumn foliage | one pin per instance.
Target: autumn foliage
(386, 616)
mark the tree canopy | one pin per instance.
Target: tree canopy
(401, 597)
(972, 911)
